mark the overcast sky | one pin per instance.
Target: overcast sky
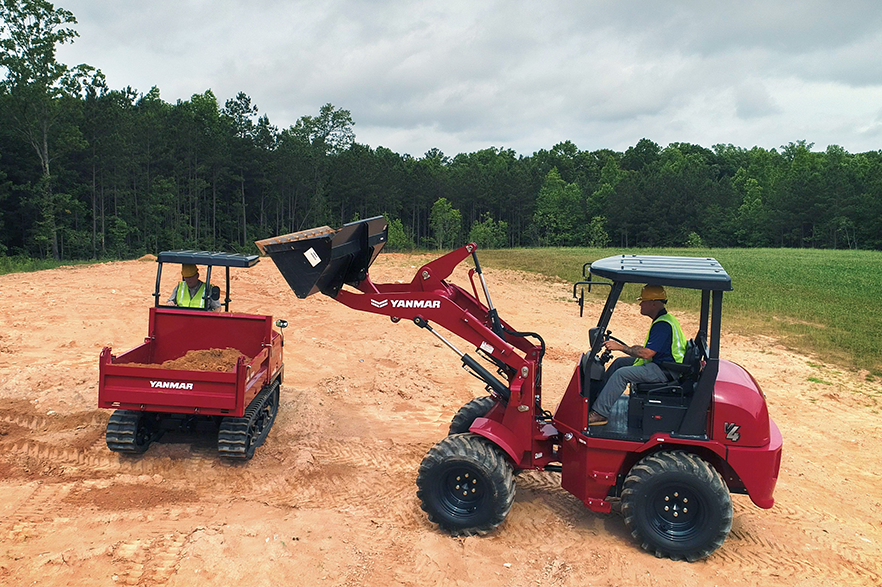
(467, 75)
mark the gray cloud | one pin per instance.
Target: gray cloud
(464, 75)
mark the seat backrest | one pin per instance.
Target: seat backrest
(691, 360)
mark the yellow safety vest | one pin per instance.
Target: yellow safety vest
(184, 300)
(678, 340)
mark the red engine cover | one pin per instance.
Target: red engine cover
(740, 415)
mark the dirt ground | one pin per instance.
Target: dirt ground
(330, 498)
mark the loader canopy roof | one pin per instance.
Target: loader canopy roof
(208, 258)
(702, 273)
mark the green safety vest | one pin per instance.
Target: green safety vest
(678, 340)
(184, 300)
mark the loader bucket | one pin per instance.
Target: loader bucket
(323, 259)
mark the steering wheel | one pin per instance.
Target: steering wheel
(606, 355)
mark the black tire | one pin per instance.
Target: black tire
(676, 506)
(476, 408)
(465, 485)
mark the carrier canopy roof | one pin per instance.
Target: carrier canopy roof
(208, 258)
(703, 273)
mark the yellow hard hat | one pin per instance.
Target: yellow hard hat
(653, 292)
(188, 270)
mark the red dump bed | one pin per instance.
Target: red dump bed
(172, 333)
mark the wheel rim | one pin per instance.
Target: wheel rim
(676, 513)
(462, 491)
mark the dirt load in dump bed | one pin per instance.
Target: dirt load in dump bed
(200, 360)
(330, 499)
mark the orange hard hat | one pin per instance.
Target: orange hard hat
(188, 270)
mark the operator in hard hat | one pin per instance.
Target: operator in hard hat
(664, 343)
(190, 292)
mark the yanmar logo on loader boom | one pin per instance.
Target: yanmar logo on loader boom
(407, 303)
(170, 385)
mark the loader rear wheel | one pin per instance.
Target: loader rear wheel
(465, 485)
(130, 432)
(676, 505)
(476, 408)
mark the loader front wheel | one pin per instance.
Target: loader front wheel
(465, 485)
(476, 408)
(677, 506)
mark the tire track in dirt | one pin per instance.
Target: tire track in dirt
(151, 561)
(35, 422)
(370, 454)
(99, 458)
(44, 504)
(428, 571)
(367, 476)
(750, 550)
(769, 555)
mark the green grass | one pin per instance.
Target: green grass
(818, 302)
(21, 264)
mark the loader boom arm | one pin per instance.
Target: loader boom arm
(429, 296)
(324, 260)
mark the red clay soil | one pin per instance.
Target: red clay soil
(330, 498)
(223, 360)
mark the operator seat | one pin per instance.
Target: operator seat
(682, 376)
(661, 407)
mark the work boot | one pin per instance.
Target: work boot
(596, 419)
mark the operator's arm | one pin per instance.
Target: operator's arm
(635, 351)
(659, 339)
(172, 301)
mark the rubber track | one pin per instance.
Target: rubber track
(121, 431)
(232, 438)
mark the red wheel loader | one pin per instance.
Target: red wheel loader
(670, 454)
(240, 404)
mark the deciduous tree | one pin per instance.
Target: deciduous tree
(38, 86)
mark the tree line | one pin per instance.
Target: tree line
(90, 172)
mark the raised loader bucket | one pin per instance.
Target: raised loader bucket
(323, 259)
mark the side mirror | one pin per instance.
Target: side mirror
(580, 297)
(281, 323)
(215, 293)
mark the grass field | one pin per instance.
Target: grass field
(818, 302)
(19, 264)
